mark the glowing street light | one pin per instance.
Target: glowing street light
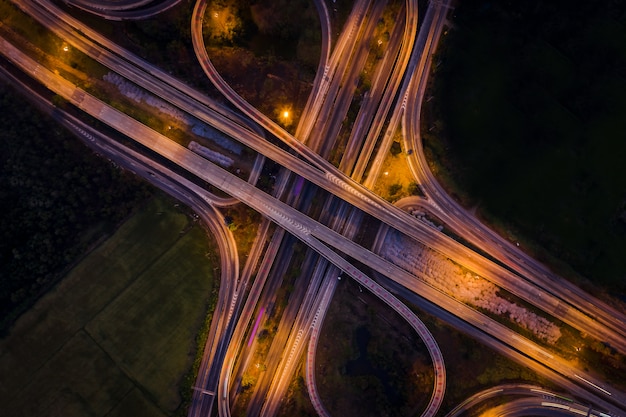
(284, 115)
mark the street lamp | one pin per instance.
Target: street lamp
(284, 114)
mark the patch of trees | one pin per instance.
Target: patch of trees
(57, 199)
(286, 29)
(225, 22)
(281, 18)
(166, 36)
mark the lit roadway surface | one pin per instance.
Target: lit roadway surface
(308, 230)
(295, 322)
(345, 76)
(369, 107)
(554, 305)
(475, 232)
(553, 295)
(566, 312)
(431, 18)
(386, 82)
(298, 321)
(534, 406)
(124, 9)
(310, 110)
(305, 228)
(540, 401)
(262, 293)
(184, 96)
(37, 71)
(239, 189)
(289, 318)
(204, 204)
(135, 69)
(535, 295)
(297, 317)
(326, 70)
(359, 12)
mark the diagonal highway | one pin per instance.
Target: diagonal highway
(308, 230)
(610, 330)
(555, 301)
(608, 327)
(311, 232)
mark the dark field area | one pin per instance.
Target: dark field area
(529, 108)
(117, 336)
(372, 357)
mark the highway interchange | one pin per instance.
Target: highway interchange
(402, 98)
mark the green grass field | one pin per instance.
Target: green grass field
(117, 334)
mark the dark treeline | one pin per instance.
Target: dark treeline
(57, 198)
